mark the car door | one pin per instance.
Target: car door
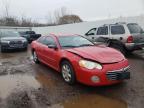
(117, 32)
(40, 48)
(102, 34)
(50, 54)
(91, 34)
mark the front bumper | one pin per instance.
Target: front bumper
(85, 76)
(7, 46)
(134, 46)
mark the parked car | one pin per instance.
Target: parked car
(78, 59)
(29, 35)
(126, 37)
(12, 40)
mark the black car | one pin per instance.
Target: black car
(29, 35)
(10, 40)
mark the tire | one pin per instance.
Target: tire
(68, 73)
(2, 49)
(25, 49)
(35, 57)
(119, 48)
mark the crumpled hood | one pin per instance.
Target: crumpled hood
(12, 38)
(99, 54)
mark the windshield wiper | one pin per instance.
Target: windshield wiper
(70, 46)
(86, 45)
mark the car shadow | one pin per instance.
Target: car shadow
(135, 56)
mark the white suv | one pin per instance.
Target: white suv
(125, 37)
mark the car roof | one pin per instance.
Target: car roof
(63, 34)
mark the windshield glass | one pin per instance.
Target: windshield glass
(9, 34)
(135, 28)
(74, 41)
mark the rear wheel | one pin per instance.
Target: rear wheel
(35, 57)
(2, 49)
(68, 73)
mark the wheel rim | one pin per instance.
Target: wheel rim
(34, 56)
(66, 72)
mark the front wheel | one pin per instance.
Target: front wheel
(2, 49)
(68, 73)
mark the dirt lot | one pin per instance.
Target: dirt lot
(24, 84)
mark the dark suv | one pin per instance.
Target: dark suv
(12, 40)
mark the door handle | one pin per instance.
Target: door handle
(121, 38)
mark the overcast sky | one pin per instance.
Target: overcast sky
(87, 9)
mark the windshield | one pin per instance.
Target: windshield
(9, 34)
(74, 41)
(135, 28)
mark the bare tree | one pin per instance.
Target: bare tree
(6, 5)
(26, 21)
(50, 19)
(60, 13)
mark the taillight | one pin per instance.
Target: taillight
(130, 39)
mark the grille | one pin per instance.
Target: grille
(116, 74)
(15, 42)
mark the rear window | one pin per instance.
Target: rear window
(134, 28)
(117, 29)
(41, 39)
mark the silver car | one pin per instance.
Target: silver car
(125, 37)
(10, 40)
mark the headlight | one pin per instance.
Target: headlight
(24, 40)
(4, 41)
(90, 64)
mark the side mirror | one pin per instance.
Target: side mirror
(52, 46)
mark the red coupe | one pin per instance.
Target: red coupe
(80, 60)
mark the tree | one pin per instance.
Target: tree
(10, 21)
(68, 19)
(63, 16)
(60, 13)
(6, 5)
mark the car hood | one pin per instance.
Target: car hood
(12, 38)
(99, 54)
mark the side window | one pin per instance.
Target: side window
(102, 31)
(91, 32)
(117, 29)
(49, 41)
(41, 39)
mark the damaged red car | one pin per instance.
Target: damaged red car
(78, 59)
